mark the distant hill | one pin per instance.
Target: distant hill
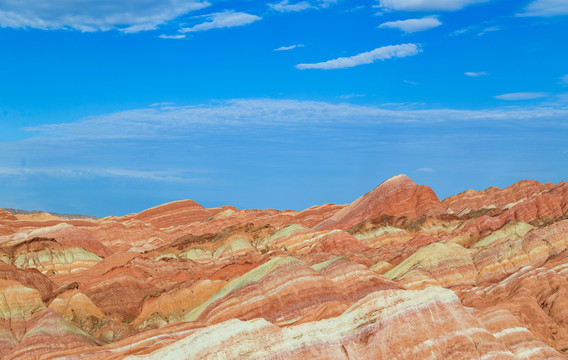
(61, 216)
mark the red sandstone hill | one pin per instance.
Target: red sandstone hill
(4, 215)
(171, 214)
(493, 196)
(397, 274)
(398, 196)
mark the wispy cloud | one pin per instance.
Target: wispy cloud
(522, 96)
(351, 96)
(546, 8)
(175, 37)
(165, 103)
(460, 31)
(291, 47)
(173, 122)
(382, 53)
(413, 83)
(479, 30)
(426, 170)
(162, 175)
(564, 79)
(225, 19)
(88, 15)
(427, 5)
(90, 173)
(475, 74)
(413, 25)
(326, 3)
(489, 29)
(110, 162)
(285, 6)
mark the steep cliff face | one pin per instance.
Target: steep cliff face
(397, 274)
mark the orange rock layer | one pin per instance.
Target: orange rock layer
(397, 274)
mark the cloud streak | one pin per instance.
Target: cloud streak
(522, 96)
(382, 53)
(175, 37)
(78, 173)
(291, 47)
(224, 151)
(475, 74)
(427, 5)
(412, 25)
(546, 8)
(285, 6)
(220, 20)
(182, 121)
(426, 170)
(88, 15)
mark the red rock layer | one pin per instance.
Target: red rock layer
(364, 280)
(549, 204)
(171, 214)
(66, 235)
(397, 196)
(59, 335)
(4, 215)
(30, 278)
(383, 325)
(493, 196)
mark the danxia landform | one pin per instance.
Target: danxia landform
(396, 274)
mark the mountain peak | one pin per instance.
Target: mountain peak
(397, 196)
(400, 178)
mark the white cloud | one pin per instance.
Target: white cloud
(285, 6)
(351, 96)
(225, 19)
(480, 29)
(475, 74)
(461, 31)
(156, 175)
(427, 5)
(489, 29)
(77, 172)
(326, 3)
(546, 8)
(522, 96)
(174, 122)
(413, 83)
(90, 15)
(382, 53)
(286, 48)
(426, 170)
(564, 79)
(413, 25)
(179, 36)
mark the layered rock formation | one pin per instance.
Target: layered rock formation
(397, 274)
(398, 196)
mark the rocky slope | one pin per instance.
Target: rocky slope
(397, 274)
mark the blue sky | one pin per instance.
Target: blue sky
(112, 107)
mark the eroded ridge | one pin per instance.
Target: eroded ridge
(396, 274)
